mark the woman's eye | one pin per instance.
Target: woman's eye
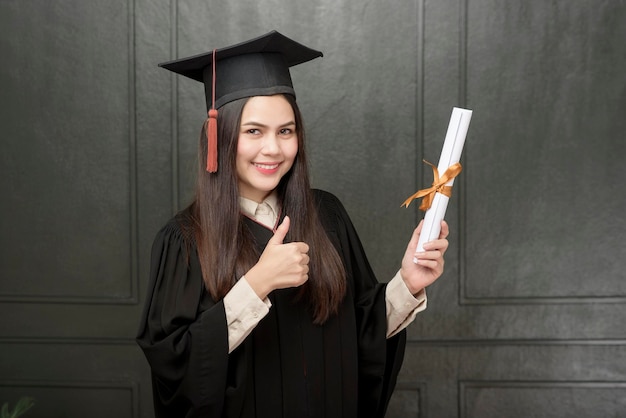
(253, 131)
(286, 131)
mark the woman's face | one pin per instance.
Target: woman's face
(267, 145)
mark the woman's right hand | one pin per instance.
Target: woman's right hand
(281, 265)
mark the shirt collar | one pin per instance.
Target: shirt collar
(249, 208)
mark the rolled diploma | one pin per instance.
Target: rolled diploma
(451, 153)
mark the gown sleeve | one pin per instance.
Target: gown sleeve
(182, 332)
(379, 357)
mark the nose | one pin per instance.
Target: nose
(271, 145)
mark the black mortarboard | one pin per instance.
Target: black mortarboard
(258, 67)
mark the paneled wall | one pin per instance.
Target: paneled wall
(73, 214)
(98, 150)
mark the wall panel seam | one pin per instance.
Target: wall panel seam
(134, 198)
(516, 342)
(174, 147)
(419, 97)
(68, 341)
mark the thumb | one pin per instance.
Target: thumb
(416, 233)
(281, 232)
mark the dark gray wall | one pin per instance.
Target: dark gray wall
(98, 151)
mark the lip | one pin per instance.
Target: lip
(266, 168)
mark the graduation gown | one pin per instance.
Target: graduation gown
(287, 367)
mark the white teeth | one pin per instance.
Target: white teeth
(266, 166)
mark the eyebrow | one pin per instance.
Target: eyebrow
(261, 125)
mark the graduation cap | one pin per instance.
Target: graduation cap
(257, 67)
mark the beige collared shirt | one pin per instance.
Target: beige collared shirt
(244, 309)
(265, 213)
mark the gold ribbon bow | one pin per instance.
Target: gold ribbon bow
(439, 186)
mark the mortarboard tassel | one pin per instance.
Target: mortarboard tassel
(211, 131)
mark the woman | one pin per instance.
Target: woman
(261, 301)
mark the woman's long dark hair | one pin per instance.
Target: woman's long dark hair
(226, 247)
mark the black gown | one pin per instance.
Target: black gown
(287, 367)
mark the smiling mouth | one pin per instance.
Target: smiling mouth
(266, 166)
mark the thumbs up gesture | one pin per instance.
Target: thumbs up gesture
(281, 265)
(281, 232)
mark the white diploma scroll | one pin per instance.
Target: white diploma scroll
(451, 154)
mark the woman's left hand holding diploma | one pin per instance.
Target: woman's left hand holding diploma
(430, 262)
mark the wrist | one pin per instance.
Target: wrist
(415, 290)
(257, 284)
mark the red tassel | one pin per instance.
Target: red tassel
(211, 158)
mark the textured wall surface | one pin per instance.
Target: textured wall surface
(98, 150)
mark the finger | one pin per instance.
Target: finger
(440, 245)
(445, 230)
(281, 232)
(435, 265)
(419, 227)
(301, 247)
(416, 235)
(429, 254)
